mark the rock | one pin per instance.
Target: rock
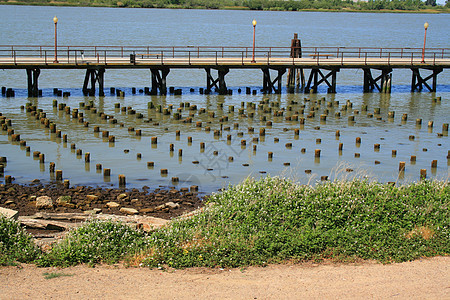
(9, 213)
(129, 211)
(69, 205)
(160, 207)
(97, 210)
(122, 196)
(172, 205)
(89, 212)
(63, 200)
(134, 200)
(44, 202)
(146, 210)
(90, 198)
(32, 198)
(9, 202)
(112, 205)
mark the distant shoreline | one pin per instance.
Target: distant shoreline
(438, 10)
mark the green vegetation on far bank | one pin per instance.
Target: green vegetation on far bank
(427, 6)
(274, 220)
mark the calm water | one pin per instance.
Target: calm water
(107, 26)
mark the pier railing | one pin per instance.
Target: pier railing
(26, 54)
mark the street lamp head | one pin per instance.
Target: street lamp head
(254, 22)
(426, 25)
(55, 20)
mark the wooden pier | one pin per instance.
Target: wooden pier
(323, 63)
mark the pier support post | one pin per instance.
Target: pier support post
(159, 81)
(211, 82)
(269, 84)
(32, 76)
(418, 81)
(314, 81)
(295, 73)
(93, 76)
(382, 83)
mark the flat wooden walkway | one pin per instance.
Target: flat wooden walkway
(232, 63)
(323, 63)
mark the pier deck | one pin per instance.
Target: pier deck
(159, 60)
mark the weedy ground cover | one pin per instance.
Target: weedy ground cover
(15, 244)
(273, 220)
(270, 220)
(94, 242)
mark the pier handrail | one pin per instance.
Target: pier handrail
(78, 54)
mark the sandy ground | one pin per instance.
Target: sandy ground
(420, 279)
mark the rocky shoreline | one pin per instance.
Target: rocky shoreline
(162, 203)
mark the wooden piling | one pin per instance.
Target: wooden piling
(58, 175)
(404, 117)
(434, 164)
(122, 180)
(423, 174)
(87, 157)
(317, 153)
(401, 166)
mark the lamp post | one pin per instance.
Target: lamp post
(254, 30)
(55, 20)
(424, 41)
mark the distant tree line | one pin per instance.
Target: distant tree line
(282, 5)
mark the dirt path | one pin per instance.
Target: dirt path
(421, 279)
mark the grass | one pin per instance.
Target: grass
(94, 242)
(273, 220)
(55, 275)
(15, 244)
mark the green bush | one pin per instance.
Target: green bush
(94, 242)
(273, 220)
(15, 243)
